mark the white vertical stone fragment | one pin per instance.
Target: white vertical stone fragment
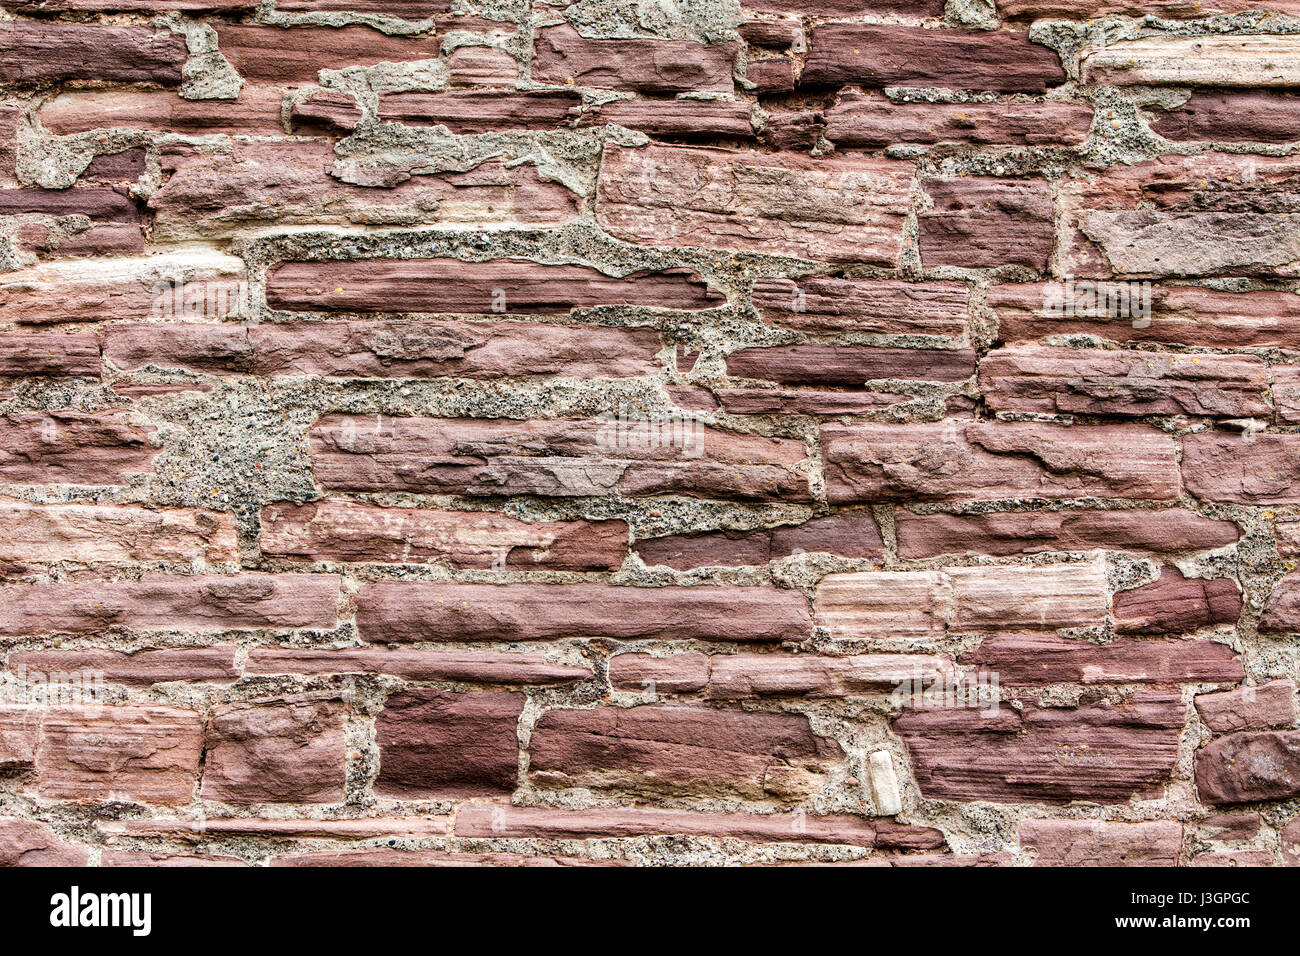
(884, 784)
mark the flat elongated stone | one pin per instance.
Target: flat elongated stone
(864, 120)
(823, 304)
(849, 364)
(680, 750)
(355, 531)
(560, 457)
(1102, 753)
(76, 448)
(981, 222)
(480, 667)
(28, 843)
(138, 668)
(561, 55)
(849, 535)
(273, 54)
(113, 534)
(1233, 61)
(400, 612)
(255, 112)
(34, 52)
(993, 460)
(1250, 766)
(1030, 659)
(1257, 707)
(1242, 468)
(1232, 118)
(28, 354)
(1174, 604)
(1101, 843)
(841, 209)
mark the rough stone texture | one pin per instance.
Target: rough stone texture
(818, 304)
(113, 534)
(1244, 468)
(144, 667)
(1232, 118)
(1249, 708)
(256, 112)
(872, 121)
(72, 448)
(483, 667)
(1097, 843)
(983, 223)
(1029, 659)
(848, 535)
(1175, 604)
(849, 364)
(1248, 767)
(1282, 613)
(24, 843)
(561, 55)
(295, 55)
(34, 52)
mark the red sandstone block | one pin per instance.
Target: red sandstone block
(72, 448)
(409, 9)
(1173, 9)
(1030, 659)
(57, 355)
(1242, 468)
(849, 365)
(561, 457)
(872, 121)
(255, 113)
(680, 750)
(1100, 843)
(355, 531)
(1102, 752)
(476, 667)
(28, 843)
(804, 401)
(440, 745)
(114, 226)
(676, 119)
(1257, 707)
(477, 111)
(295, 55)
(1249, 767)
(850, 535)
(1282, 613)
(992, 460)
(214, 665)
(823, 304)
(9, 113)
(1232, 118)
(113, 534)
(1174, 604)
(390, 612)
(143, 6)
(879, 55)
(841, 209)
(282, 750)
(35, 52)
(562, 56)
(163, 602)
(981, 222)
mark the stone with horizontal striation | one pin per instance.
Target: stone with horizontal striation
(852, 535)
(24, 354)
(1282, 612)
(1100, 752)
(631, 455)
(325, 113)
(279, 750)
(165, 602)
(255, 112)
(872, 121)
(805, 401)
(39, 52)
(480, 111)
(438, 744)
(77, 448)
(676, 119)
(681, 750)
(955, 460)
(113, 534)
(333, 530)
(1258, 61)
(1032, 659)
(1175, 604)
(982, 222)
(1231, 118)
(86, 220)
(562, 56)
(1031, 532)
(889, 306)
(1101, 843)
(883, 55)
(28, 843)
(1256, 707)
(478, 667)
(1173, 9)
(145, 667)
(480, 288)
(406, 612)
(1108, 382)
(1249, 767)
(20, 734)
(1286, 394)
(840, 209)
(849, 364)
(270, 54)
(386, 349)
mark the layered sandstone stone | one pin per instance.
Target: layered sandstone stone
(1032, 659)
(1101, 843)
(76, 448)
(478, 667)
(563, 56)
(1248, 767)
(851, 535)
(1257, 707)
(1175, 604)
(28, 843)
(113, 534)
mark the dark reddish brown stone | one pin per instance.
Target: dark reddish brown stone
(1248, 767)
(72, 448)
(25, 354)
(872, 121)
(474, 111)
(1101, 843)
(1282, 613)
(805, 401)
(1175, 604)
(1243, 468)
(36, 52)
(404, 612)
(981, 222)
(28, 843)
(1257, 707)
(296, 54)
(140, 668)
(849, 364)
(440, 745)
(450, 285)
(847, 535)
(325, 112)
(677, 119)
(563, 56)
(680, 750)
(124, 166)
(114, 228)
(1032, 532)
(478, 666)
(1232, 118)
(255, 113)
(1048, 659)
(880, 55)
(822, 304)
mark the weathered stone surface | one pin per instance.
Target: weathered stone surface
(28, 843)
(142, 858)
(125, 166)
(382, 856)
(1232, 118)
(9, 113)
(36, 52)
(1286, 394)
(563, 56)
(1260, 61)
(487, 822)
(140, 668)
(479, 667)
(680, 750)
(162, 602)
(390, 612)
(804, 401)
(923, 604)
(1282, 613)
(1102, 753)
(306, 828)
(1175, 604)
(1243, 468)
(81, 221)
(1100, 843)
(211, 195)
(75, 448)
(676, 119)
(823, 304)
(264, 53)
(223, 6)
(1032, 532)
(1290, 839)
(740, 676)
(97, 754)
(387, 349)
(325, 113)
(20, 736)
(409, 9)
(256, 112)
(355, 531)
(30, 354)
(850, 535)
(872, 121)
(1177, 314)
(841, 209)
(1107, 382)
(113, 534)
(1257, 707)
(849, 364)
(981, 222)
(437, 744)
(879, 55)
(475, 111)
(1173, 9)
(271, 751)
(1250, 766)
(1030, 659)
(993, 460)
(206, 285)
(476, 288)
(852, 8)
(561, 457)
